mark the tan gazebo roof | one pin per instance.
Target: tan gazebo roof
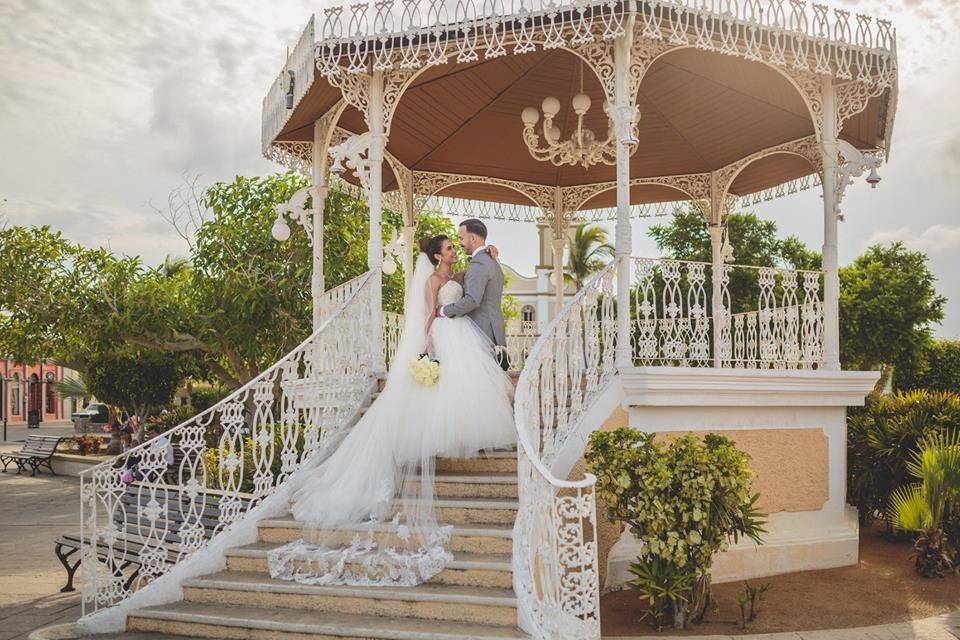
(700, 111)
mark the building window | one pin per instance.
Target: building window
(15, 404)
(527, 314)
(51, 396)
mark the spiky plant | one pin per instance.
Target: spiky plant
(924, 507)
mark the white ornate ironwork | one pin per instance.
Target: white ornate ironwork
(521, 336)
(277, 106)
(556, 574)
(674, 323)
(199, 478)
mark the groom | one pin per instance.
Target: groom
(482, 289)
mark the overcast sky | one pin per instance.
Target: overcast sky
(105, 105)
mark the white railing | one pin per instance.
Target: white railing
(198, 479)
(415, 33)
(678, 322)
(521, 336)
(392, 328)
(556, 571)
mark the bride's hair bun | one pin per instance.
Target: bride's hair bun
(432, 245)
(425, 244)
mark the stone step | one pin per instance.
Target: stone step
(476, 605)
(201, 620)
(475, 485)
(474, 538)
(492, 462)
(467, 569)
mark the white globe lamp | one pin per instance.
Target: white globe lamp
(280, 230)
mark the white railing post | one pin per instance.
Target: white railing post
(408, 253)
(378, 141)
(625, 114)
(831, 277)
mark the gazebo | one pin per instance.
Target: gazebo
(557, 113)
(551, 113)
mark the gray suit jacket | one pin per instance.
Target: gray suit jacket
(482, 291)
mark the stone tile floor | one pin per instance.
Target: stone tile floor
(33, 512)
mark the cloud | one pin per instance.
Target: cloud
(933, 240)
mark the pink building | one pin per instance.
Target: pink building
(27, 388)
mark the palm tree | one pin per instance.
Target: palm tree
(923, 507)
(173, 267)
(589, 252)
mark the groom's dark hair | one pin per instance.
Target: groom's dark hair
(475, 227)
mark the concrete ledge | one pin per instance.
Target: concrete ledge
(782, 552)
(71, 464)
(709, 387)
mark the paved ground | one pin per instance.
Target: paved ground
(19, 433)
(33, 512)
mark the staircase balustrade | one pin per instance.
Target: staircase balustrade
(158, 504)
(556, 571)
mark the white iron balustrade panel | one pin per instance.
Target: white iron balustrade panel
(200, 477)
(555, 551)
(676, 320)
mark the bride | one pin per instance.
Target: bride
(368, 508)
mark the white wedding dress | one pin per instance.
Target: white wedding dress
(378, 484)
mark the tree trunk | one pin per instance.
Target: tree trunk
(701, 598)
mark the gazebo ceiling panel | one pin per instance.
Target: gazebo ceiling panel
(699, 111)
(768, 171)
(487, 192)
(639, 194)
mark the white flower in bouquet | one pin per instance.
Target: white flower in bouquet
(425, 370)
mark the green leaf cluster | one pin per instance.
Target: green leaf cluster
(935, 368)
(685, 499)
(884, 435)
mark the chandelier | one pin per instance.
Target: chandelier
(583, 147)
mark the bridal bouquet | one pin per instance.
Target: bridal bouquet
(425, 370)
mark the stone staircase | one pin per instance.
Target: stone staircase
(471, 598)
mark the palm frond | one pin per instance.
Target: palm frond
(71, 388)
(909, 510)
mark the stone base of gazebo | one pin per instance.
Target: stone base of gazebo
(793, 425)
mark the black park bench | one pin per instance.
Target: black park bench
(36, 452)
(135, 531)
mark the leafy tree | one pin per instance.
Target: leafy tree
(754, 242)
(589, 252)
(234, 305)
(888, 303)
(936, 368)
(138, 382)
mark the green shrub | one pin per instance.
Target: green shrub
(937, 368)
(883, 435)
(202, 398)
(685, 500)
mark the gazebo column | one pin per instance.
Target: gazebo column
(408, 252)
(831, 277)
(378, 141)
(718, 311)
(321, 186)
(557, 245)
(624, 113)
